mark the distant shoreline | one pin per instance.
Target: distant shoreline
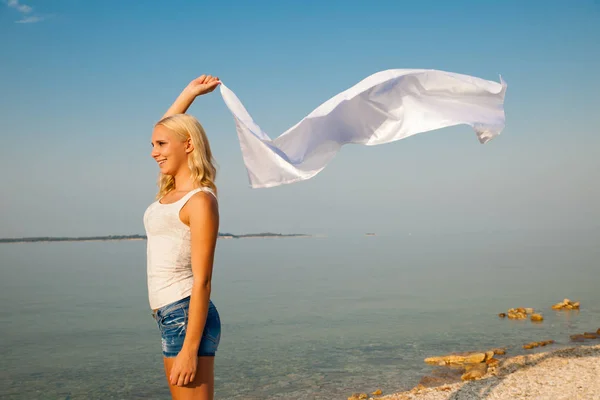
(141, 237)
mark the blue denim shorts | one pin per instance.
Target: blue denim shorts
(172, 321)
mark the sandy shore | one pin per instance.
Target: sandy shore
(572, 373)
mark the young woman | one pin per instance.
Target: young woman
(182, 227)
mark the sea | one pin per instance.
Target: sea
(302, 318)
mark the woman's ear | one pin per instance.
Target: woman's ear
(189, 146)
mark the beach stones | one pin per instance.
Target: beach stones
(378, 392)
(566, 304)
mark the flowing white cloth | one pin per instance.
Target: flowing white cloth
(384, 107)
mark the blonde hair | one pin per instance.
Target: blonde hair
(200, 160)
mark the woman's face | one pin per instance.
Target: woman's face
(169, 152)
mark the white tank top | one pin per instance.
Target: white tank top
(168, 252)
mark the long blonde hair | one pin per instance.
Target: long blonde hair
(200, 160)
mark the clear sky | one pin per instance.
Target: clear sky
(83, 82)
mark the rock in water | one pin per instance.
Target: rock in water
(457, 359)
(378, 392)
(546, 342)
(536, 317)
(566, 305)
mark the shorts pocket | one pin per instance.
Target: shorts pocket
(175, 320)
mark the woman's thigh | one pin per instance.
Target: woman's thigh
(201, 388)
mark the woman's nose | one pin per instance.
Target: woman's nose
(154, 152)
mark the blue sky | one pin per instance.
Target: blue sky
(82, 83)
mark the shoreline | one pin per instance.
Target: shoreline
(140, 237)
(564, 373)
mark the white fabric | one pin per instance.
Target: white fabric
(168, 252)
(386, 106)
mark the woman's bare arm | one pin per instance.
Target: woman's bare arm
(202, 214)
(199, 86)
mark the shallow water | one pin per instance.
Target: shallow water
(302, 318)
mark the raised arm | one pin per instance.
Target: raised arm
(199, 86)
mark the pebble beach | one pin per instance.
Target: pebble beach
(562, 374)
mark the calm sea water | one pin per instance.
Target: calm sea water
(310, 318)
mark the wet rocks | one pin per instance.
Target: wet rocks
(566, 304)
(499, 351)
(583, 336)
(475, 364)
(358, 396)
(532, 345)
(517, 313)
(363, 396)
(536, 317)
(474, 371)
(492, 362)
(458, 359)
(467, 366)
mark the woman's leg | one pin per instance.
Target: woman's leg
(201, 388)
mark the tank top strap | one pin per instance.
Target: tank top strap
(181, 202)
(208, 190)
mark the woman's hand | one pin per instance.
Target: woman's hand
(199, 86)
(184, 368)
(202, 85)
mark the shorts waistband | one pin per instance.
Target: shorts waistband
(170, 307)
(164, 310)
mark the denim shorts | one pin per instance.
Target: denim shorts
(172, 321)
